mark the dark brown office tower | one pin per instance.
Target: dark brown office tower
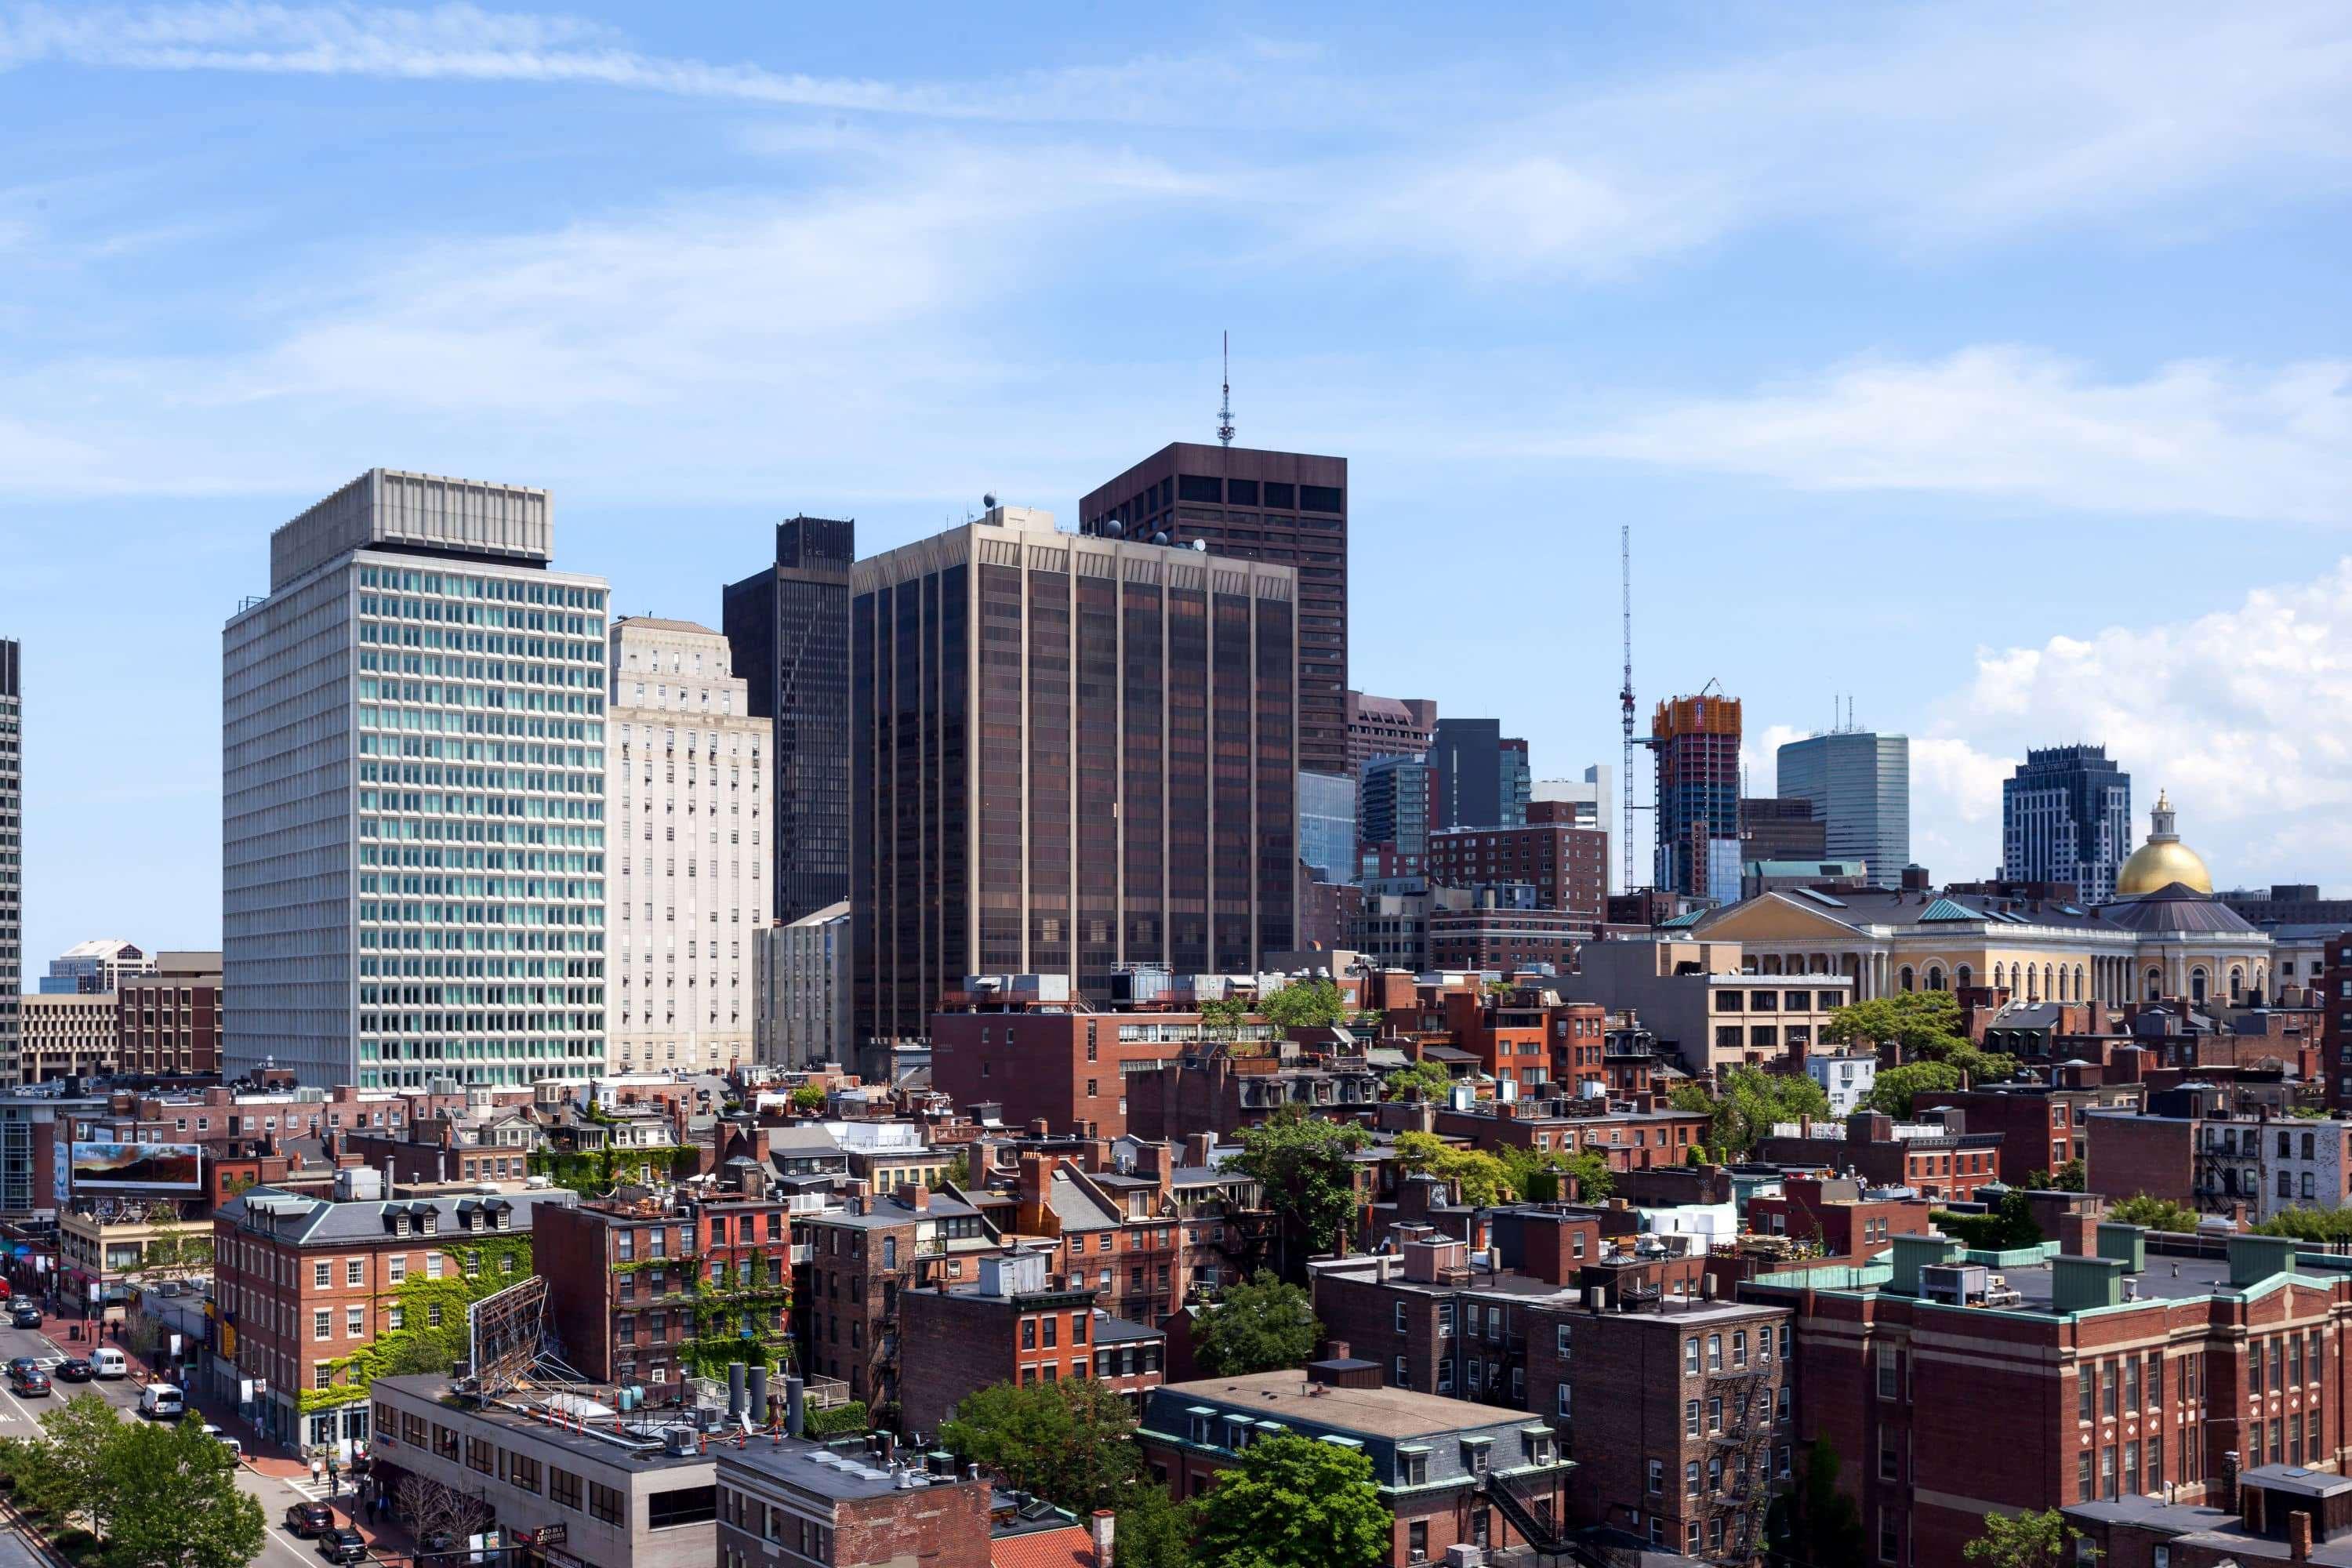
(1068, 755)
(788, 629)
(1283, 507)
(1780, 828)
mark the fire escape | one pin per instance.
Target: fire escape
(1739, 1462)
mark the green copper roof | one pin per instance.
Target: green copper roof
(1945, 910)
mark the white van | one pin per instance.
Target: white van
(108, 1362)
(162, 1402)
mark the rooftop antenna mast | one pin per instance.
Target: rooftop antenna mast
(1225, 408)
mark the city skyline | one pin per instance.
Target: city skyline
(2061, 337)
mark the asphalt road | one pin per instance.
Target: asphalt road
(17, 1417)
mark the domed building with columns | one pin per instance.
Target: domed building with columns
(2163, 935)
(2188, 945)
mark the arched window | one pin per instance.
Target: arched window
(2156, 985)
(2237, 984)
(2050, 981)
(2078, 984)
(2197, 985)
(1771, 964)
(1963, 978)
(2000, 975)
(1904, 978)
(1934, 978)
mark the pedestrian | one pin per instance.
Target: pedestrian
(318, 1470)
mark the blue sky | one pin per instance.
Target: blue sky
(1989, 365)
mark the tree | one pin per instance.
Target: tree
(1922, 1026)
(176, 1501)
(2069, 1178)
(1535, 1174)
(2023, 1541)
(1749, 1102)
(2155, 1214)
(1816, 1525)
(1263, 1325)
(1302, 1165)
(1293, 1502)
(1225, 1013)
(1431, 1079)
(958, 1172)
(1896, 1088)
(2008, 1228)
(435, 1511)
(1304, 1005)
(1482, 1178)
(2309, 1225)
(809, 1098)
(176, 1250)
(1067, 1442)
(1154, 1531)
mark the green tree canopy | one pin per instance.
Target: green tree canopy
(1260, 1325)
(808, 1096)
(2042, 1540)
(1749, 1102)
(2309, 1225)
(1304, 1005)
(2007, 1228)
(1224, 1011)
(1538, 1175)
(2069, 1178)
(2155, 1214)
(1922, 1026)
(1154, 1531)
(1065, 1441)
(176, 1500)
(1894, 1089)
(1431, 1079)
(1293, 1502)
(1482, 1178)
(1302, 1165)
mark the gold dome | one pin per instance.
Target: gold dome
(2162, 860)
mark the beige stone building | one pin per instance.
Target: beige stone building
(687, 793)
(66, 1036)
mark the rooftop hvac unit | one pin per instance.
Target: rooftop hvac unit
(679, 1440)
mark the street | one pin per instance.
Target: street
(275, 1483)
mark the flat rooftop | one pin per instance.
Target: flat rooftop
(2187, 1528)
(836, 1473)
(1380, 1411)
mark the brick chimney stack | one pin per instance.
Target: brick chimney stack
(2298, 1536)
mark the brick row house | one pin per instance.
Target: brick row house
(860, 1259)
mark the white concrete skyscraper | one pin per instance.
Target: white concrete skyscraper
(688, 793)
(413, 806)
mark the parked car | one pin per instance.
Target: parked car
(73, 1369)
(30, 1383)
(224, 1440)
(309, 1518)
(25, 1315)
(343, 1546)
(22, 1363)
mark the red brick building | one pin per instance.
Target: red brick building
(168, 1023)
(1833, 1212)
(1567, 866)
(1941, 1157)
(1068, 1070)
(2043, 1126)
(2335, 999)
(1628, 1138)
(1487, 938)
(2117, 1369)
(795, 1498)
(1208, 1088)
(1018, 1322)
(653, 1293)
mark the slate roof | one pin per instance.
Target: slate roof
(2177, 907)
(307, 1221)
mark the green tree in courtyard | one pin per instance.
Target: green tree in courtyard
(1293, 1502)
(1261, 1325)
(1065, 1441)
(1154, 1531)
(2155, 1213)
(1302, 1165)
(2042, 1540)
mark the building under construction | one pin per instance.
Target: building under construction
(1695, 741)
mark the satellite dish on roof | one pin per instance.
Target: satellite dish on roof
(988, 501)
(1201, 545)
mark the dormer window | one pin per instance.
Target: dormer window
(430, 1220)
(505, 1217)
(400, 1223)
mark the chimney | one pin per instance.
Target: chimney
(2078, 1235)
(915, 1196)
(2298, 1536)
(1107, 1522)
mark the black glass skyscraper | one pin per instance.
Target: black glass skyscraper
(788, 627)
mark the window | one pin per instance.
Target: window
(1714, 1352)
(1565, 1413)
(1400, 1317)
(1690, 1479)
(480, 1455)
(685, 1505)
(1690, 1358)
(322, 1324)
(1413, 1466)
(1563, 1341)
(563, 1488)
(433, 1266)
(604, 1503)
(397, 1267)
(354, 1321)
(1416, 1535)
(1690, 1418)
(522, 1473)
(1657, 1469)
(319, 1273)
(1890, 1383)
(352, 1270)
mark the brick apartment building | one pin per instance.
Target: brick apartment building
(1675, 1407)
(1833, 1212)
(2335, 1000)
(652, 1293)
(1209, 1089)
(860, 1260)
(1489, 937)
(1068, 1070)
(1567, 866)
(1017, 1323)
(1122, 1234)
(168, 1024)
(302, 1285)
(2043, 1126)
(2118, 1368)
(1631, 1135)
(1447, 1471)
(1940, 1156)
(795, 1501)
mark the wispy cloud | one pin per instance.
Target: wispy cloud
(2195, 438)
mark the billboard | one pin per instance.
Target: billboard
(142, 1167)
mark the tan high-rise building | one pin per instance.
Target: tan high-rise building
(66, 1034)
(685, 791)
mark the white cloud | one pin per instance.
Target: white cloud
(2237, 713)
(2195, 438)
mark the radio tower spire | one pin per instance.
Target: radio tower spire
(1626, 704)
(1225, 408)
